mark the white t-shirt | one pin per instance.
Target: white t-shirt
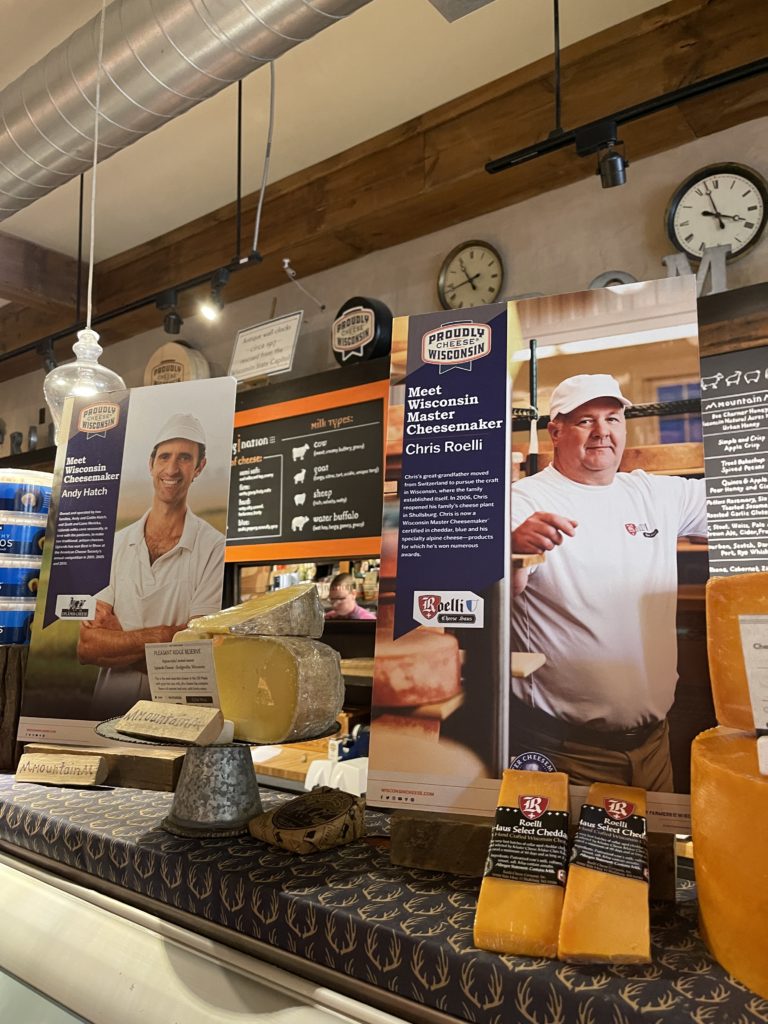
(184, 582)
(602, 607)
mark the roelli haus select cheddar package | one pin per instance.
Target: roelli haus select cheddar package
(543, 551)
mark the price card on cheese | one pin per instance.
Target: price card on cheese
(183, 673)
(754, 645)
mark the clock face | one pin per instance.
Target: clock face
(725, 204)
(472, 275)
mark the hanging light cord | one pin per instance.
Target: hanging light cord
(267, 154)
(89, 305)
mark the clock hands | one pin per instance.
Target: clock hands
(730, 216)
(717, 212)
(471, 280)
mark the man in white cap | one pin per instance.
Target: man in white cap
(601, 608)
(167, 567)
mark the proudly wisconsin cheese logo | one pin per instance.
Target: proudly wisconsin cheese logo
(352, 331)
(98, 418)
(454, 344)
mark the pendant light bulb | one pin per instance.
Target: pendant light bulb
(83, 378)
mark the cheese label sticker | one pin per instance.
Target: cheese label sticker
(754, 647)
(183, 673)
(529, 843)
(610, 840)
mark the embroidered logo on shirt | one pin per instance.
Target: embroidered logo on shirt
(631, 529)
(634, 528)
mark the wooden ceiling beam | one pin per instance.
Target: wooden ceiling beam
(428, 173)
(31, 275)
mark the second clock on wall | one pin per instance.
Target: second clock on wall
(472, 274)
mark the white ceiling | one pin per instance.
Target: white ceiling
(389, 62)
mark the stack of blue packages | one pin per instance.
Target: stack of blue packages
(25, 498)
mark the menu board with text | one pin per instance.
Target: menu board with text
(307, 476)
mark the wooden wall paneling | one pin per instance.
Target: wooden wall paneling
(32, 275)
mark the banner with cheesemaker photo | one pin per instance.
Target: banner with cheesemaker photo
(555, 622)
(134, 548)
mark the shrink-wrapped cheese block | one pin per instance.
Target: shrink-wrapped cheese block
(295, 611)
(605, 912)
(521, 895)
(729, 817)
(728, 597)
(275, 689)
(419, 668)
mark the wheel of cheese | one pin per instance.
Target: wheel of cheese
(728, 597)
(176, 361)
(729, 816)
(422, 667)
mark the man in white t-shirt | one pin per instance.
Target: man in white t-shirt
(601, 608)
(167, 567)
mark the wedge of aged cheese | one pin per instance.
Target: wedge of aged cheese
(419, 668)
(729, 816)
(728, 597)
(295, 611)
(275, 689)
(605, 911)
(515, 915)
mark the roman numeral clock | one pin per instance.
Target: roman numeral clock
(472, 274)
(722, 204)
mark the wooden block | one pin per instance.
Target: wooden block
(289, 764)
(179, 723)
(13, 662)
(456, 843)
(662, 867)
(439, 709)
(62, 769)
(133, 767)
(524, 663)
(526, 561)
(357, 667)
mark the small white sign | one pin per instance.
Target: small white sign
(75, 606)
(266, 348)
(754, 646)
(457, 609)
(183, 673)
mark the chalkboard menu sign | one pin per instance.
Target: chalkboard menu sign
(307, 476)
(734, 408)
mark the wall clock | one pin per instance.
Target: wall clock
(722, 204)
(472, 274)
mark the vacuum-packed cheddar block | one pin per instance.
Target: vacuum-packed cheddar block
(520, 913)
(728, 597)
(275, 689)
(295, 611)
(606, 917)
(729, 818)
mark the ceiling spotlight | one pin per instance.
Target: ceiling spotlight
(212, 307)
(612, 167)
(601, 138)
(168, 301)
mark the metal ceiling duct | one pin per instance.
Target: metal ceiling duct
(161, 57)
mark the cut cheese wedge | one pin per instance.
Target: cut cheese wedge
(605, 914)
(295, 611)
(420, 667)
(523, 916)
(729, 818)
(275, 689)
(728, 597)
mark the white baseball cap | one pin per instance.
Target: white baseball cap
(181, 425)
(584, 387)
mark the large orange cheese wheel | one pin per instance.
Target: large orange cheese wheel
(729, 811)
(728, 597)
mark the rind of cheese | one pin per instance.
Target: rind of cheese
(729, 819)
(522, 918)
(728, 597)
(419, 668)
(295, 611)
(606, 918)
(275, 689)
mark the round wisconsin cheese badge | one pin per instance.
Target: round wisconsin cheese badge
(174, 362)
(362, 330)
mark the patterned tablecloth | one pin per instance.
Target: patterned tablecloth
(349, 909)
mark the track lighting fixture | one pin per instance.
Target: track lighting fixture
(172, 322)
(601, 138)
(212, 307)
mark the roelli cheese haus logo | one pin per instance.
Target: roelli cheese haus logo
(460, 609)
(532, 807)
(98, 418)
(647, 531)
(452, 345)
(619, 810)
(352, 331)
